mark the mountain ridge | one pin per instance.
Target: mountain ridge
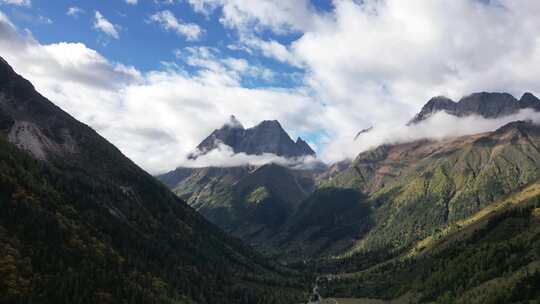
(484, 104)
(358, 188)
(266, 137)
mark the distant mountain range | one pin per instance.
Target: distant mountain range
(81, 223)
(352, 205)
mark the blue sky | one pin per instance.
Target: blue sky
(157, 76)
(141, 42)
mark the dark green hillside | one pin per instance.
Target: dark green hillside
(80, 223)
(493, 258)
(328, 222)
(252, 203)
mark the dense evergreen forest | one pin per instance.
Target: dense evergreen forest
(81, 223)
(497, 260)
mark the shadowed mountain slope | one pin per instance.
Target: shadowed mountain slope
(81, 223)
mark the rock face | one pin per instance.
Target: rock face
(363, 131)
(528, 100)
(32, 122)
(487, 105)
(266, 137)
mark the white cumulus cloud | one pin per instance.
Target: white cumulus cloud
(155, 118)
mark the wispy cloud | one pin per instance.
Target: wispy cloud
(224, 156)
(276, 15)
(132, 2)
(105, 26)
(168, 21)
(29, 17)
(17, 2)
(74, 11)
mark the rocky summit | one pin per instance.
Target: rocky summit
(487, 105)
(266, 137)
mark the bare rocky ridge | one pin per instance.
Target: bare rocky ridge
(487, 105)
(266, 137)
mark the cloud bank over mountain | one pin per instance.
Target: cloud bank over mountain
(224, 156)
(439, 126)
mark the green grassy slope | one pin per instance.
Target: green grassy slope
(417, 189)
(493, 257)
(252, 203)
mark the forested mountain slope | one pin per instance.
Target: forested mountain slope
(493, 256)
(414, 189)
(81, 223)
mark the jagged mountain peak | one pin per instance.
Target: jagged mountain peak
(485, 104)
(440, 102)
(528, 100)
(529, 95)
(434, 105)
(233, 123)
(270, 124)
(488, 105)
(266, 137)
(299, 140)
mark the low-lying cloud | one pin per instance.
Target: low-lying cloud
(439, 126)
(224, 156)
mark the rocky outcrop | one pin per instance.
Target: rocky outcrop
(266, 137)
(487, 105)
